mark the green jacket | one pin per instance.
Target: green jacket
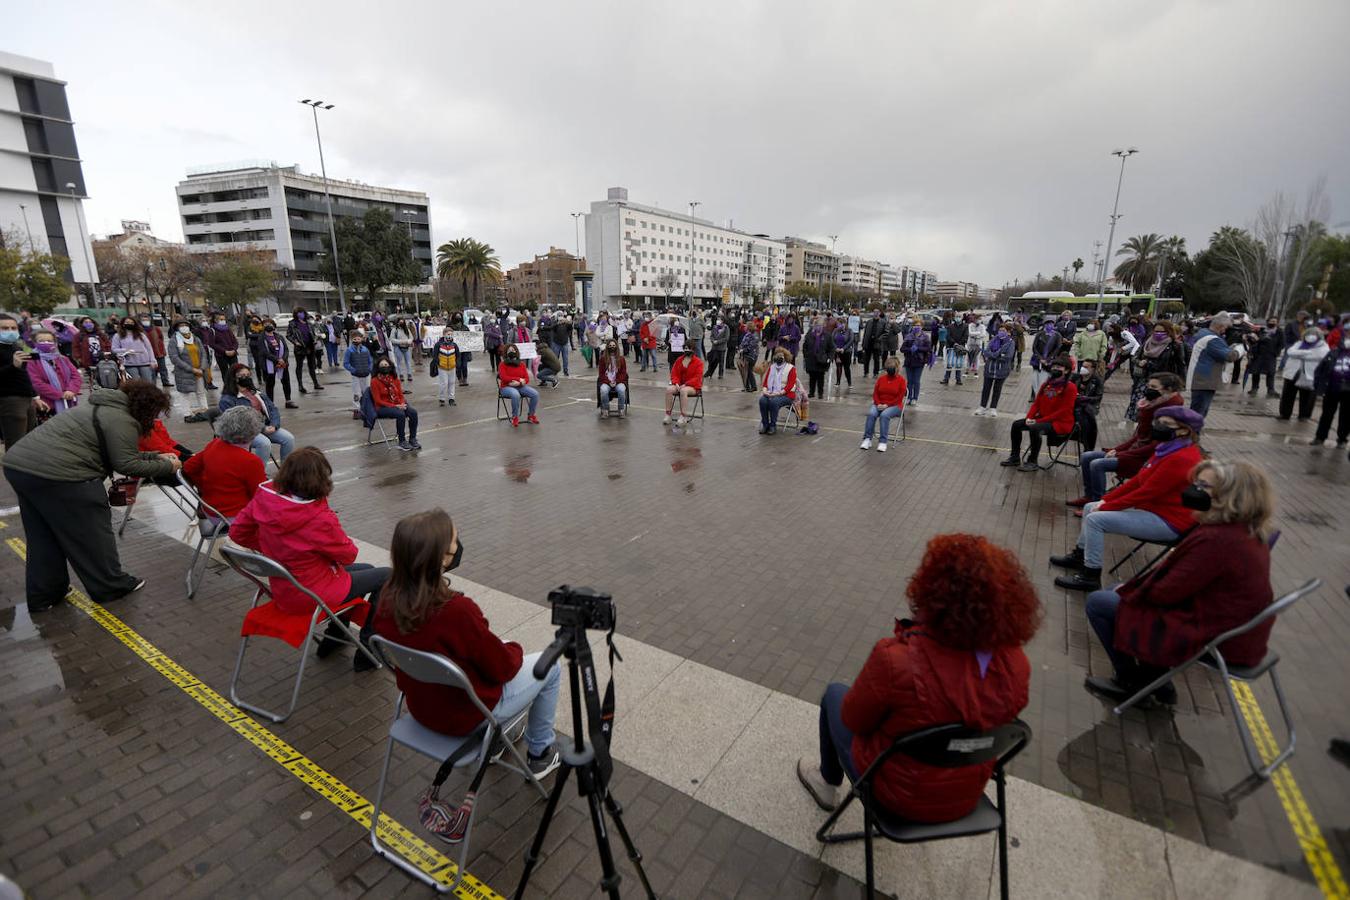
(65, 448)
(1089, 345)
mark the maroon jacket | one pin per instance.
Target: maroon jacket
(1217, 578)
(156, 337)
(1138, 448)
(620, 372)
(910, 682)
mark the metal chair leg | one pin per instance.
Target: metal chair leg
(1124, 559)
(1288, 751)
(126, 517)
(192, 567)
(295, 692)
(1002, 835)
(867, 852)
(390, 855)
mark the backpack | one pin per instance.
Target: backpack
(108, 374)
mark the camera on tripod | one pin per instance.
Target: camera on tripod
(582, 607)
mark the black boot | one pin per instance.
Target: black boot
(1073, 561)
(333, 640)
(361, 662)
(1085, 579)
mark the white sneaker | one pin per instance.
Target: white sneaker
(881, 447)
(824, 793)
(604, 414)
(666, 419)
(866, 444)
(991, 414)
(978, 412)
(681, 421)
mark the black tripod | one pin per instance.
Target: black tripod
(592, 764)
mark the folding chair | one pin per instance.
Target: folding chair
(211, 526)
(298, 630)
(1211, 657)
(946, 747)
(503, 407)
(885, 436)
(1054, 450)
(792, 421)
(696, 410)
(1166, 545)
(436, 669)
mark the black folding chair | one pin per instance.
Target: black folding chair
(1055, 447)
(946, 747)
(1211, 657)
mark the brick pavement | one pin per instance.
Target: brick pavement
(674, 524)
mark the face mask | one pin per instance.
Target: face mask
(890, 370)
(9, 337)
(184, 330)
(1151, 394)
(128, 325)
(385, 370)
(1312, 337)
(300, 316)
(269, 328)
(1196, 498)
(46, 346)
(513, 359)
(245, 382)
(457, 558)
(611, 348)
(1056, 373)
(1345, 343)
(145, 323)
(1092, 328)
(88, 326)
(1163, 433)
(222, 326)
(1159, 335)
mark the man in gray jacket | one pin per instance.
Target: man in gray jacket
(696, 332)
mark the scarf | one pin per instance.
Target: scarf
(999, 341)
(776, 379)
(1154, 348)
(48, 361)
(253, 398)
(1172, 446)
(841, 336)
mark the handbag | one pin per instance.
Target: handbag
(122, 491)
(437, 816)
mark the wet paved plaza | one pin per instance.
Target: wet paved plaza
(749, 571)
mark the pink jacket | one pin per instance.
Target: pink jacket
(67, 376)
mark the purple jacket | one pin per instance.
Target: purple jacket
(790, 336)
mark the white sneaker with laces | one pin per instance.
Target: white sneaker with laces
(866, 444)
(978, 412)
(666, 419)
(881, 447)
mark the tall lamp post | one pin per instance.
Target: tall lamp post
(834, 261)
(689, 293)
(84, 242)
(412, 252)
(315, 106)
(28, 228)
(1115, 215)
(576, 227)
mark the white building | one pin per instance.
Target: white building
(957, 290)
(645, 256)
(263, 206)
(892, 279)
(917, 282)
(860, 274)
(41, 180)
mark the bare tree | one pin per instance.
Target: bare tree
(667, 281)
(717, 280)
(1279, 254)
(119, 275)
(170, 270)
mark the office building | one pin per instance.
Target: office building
(643, 256)
(918, 282)
(547, 279)
(41, 180)
(283, 211)
(947, 291)
(810, 262)
(863, 275)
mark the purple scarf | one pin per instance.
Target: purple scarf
(998, 342)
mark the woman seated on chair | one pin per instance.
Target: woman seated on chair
(289, 521)
(686, 382)
(1128, 457)
(1147, 507)
(386, 392)
(780, 387)
(1050, 417)
(959, 661)
(158, 440)
(1216, 579)
(888, 401)
(513, 383)
(246, 394)
(227, 473)
(613, 378)
(419, 610)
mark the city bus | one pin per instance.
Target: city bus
(1038, 304)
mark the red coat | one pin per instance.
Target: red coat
(1157, 488)
(1217, 578)
(226, 476)
(911, 682)
(459, 630)
(385, 390)
(507, 373)
(158, 440)
(890, 391)
(687, 371)
(620, 371)
(646, 337)
(1054, 404)
(305, 537)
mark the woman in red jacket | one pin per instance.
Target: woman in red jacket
(612, 379)
(1217, 578)
(419, 610)
(386, 392)
(960, 661)
(1128, 457)
(227, 473)
(1050, 416)
(1148, 507)
(289, 521)
(888, 401)
(513, 383)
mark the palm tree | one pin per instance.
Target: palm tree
(1077, 265)
(1140, 269)
(469, 260)
(1171, 258)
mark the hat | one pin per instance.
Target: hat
(1182, 416)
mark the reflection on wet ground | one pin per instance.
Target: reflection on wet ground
(517, 468)
(686, 458)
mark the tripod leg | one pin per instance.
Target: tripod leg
(634, 855)
(609, 876)
(537, 844)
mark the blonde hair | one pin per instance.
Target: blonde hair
(1240, 492)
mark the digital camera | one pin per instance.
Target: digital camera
(582, 606)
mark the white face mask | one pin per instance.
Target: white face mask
(184, 330)
(1092, 328)
(1312, 337)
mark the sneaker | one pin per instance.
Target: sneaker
(451, 401)
(415, 443)
(991, 414)
(404, 445)
(1028, 466)
(681, 421)
(604, 414)
(533, 419)
(866, 444)
(441, 402)
(825, 794)
(665, 420)
(303, 392)
(318, 387)
(881, 447)
(1010, 461)
(1316, 442)
(515, 421)
(978, 412)
(290, 405)
(545, 762)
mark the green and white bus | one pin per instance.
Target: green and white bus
(1038, 304)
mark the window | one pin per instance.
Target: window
(629, 222)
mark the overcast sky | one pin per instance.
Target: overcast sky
(969, 138)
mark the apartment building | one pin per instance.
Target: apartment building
(810, 262)
(956, 290)
(546, 279)
(860, 274)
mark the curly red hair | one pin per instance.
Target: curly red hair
(972, 594)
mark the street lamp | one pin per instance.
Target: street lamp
(576, 226)
(834, 239)
(84, 243)
(412, 252)
(1115, 215)
(689, 291)
(28, 228)
(315, 106)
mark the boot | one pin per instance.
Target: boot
(1073, 561)
(332, 640)
(1085, 579)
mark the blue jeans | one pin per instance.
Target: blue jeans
(1096, 465)
(514, 395)
(546, 376)
(649, 358)
(400, 417)
(913, 375)
(332, 350)
(262, 444)
(769, 408)
(561, 350)
(540, 696)
(402, 360)
(620, 391)
(1139, 524)
(875, 412)
(1200, 401)
(836, 741)
(955, 361)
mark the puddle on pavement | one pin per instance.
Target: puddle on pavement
(394, 480)
(518, 468)
(686, 458)
(31, 664)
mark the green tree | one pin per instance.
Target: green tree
(470, 262)
(235, 280)
(31, 281)
(1143, 254)
(802, 290)
(374, 251)
(1333, 258)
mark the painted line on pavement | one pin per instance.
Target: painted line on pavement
(409, 846)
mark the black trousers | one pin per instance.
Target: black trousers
(494, 358)
(270, 383)
(716, 363)
(68, 522)
(843, 368)
(367, 581)
(227, 364)
(1331, 402)
(400, 417)
(1306, 400)
(1037, 431)
(990, 391)
(305, 357)
(816, 382)
(17, 418)
(1256, 381)
(747, 367)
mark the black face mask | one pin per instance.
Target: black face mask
(246, 383)
(1163, 433)
(459, 555)
(1194, 498)
(385, 370)
(890, 370)
(1056, 373)
(1151, 394)
(269, 328)
(513, 359)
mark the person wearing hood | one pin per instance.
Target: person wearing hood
(998, 358)
(1210, 355)
(816, 353)
(54, 378)
(246, 393)
(57, 472)
(1331, 381)
(1148, 507)
(917, 350)
(686, 382)
(290, 522)
(1215, 579)
(961, 659)
(386, 393)
(1050, 417)
(1300, 370)
(188, 356)
(303, 336)
(513, 383)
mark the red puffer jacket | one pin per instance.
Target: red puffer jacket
(1054, 404)
(911, 682)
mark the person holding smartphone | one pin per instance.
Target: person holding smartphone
(19, 402)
